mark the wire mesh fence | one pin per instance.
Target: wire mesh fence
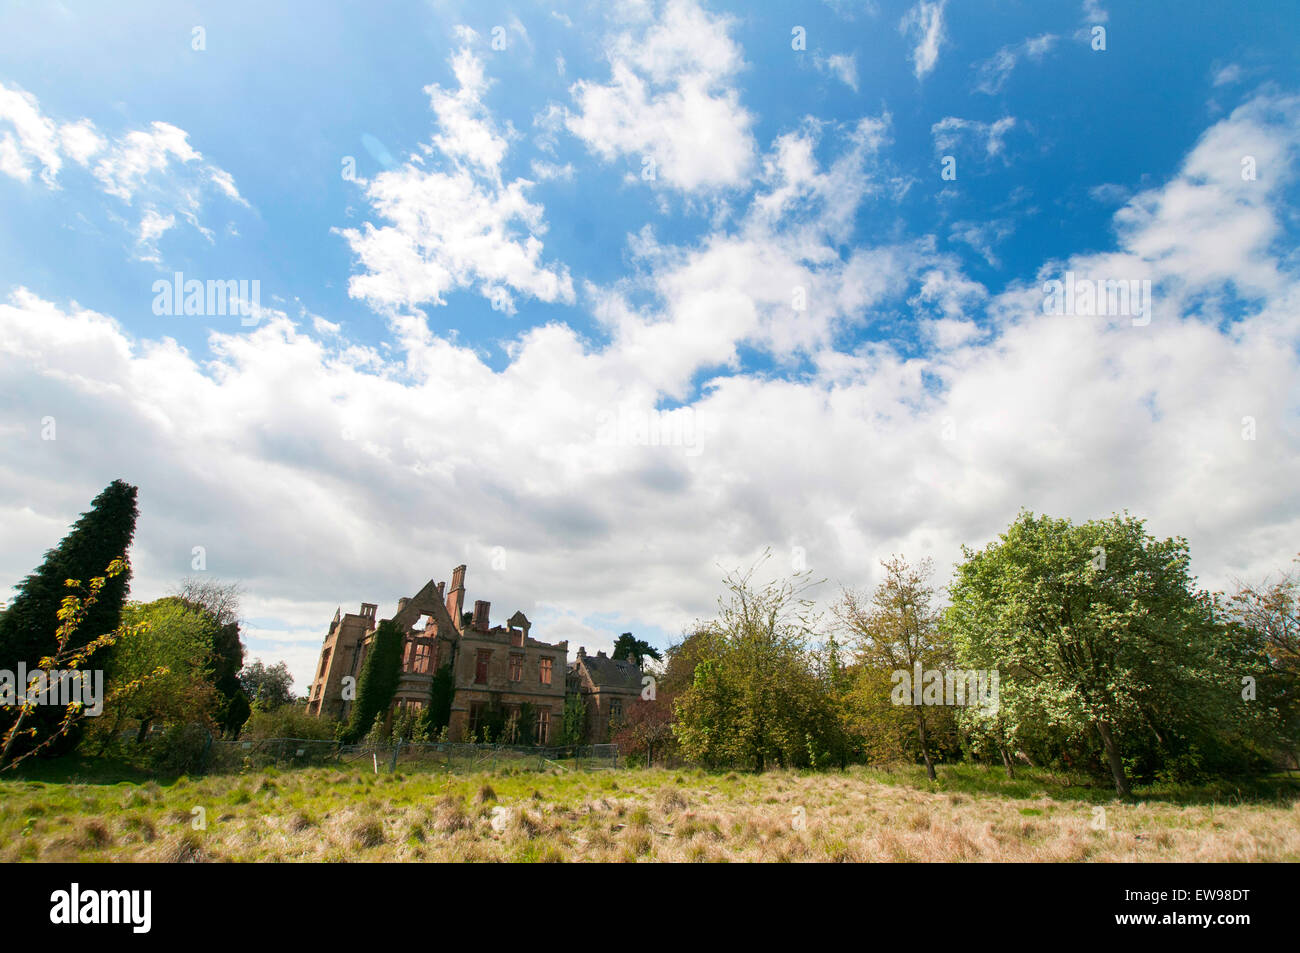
(237, 755)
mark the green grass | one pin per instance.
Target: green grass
(96, 811)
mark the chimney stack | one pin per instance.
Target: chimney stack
(481, 614)
(456, 598)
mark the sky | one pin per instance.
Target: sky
(606, 300)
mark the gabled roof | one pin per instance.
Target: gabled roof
(610, 673)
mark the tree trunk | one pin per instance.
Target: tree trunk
(1007, 762)
(1112, 756)
(144, 730)
(925, 746)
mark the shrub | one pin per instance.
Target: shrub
(181, 749)
(288, 721)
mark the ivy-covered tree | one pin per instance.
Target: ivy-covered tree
(573, 728)
(29, 627)
(437, 714)
(378, 681)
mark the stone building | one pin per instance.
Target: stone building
(608, 686)
(498, 666)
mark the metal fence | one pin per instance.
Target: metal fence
(432, 756)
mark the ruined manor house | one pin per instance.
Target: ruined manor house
(500, 666)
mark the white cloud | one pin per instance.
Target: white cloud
(459, 227)
(1094, 12)
(984, 237)
(993, 73)
(31, 140)
(843, 66)
(670, 99)
(951, 132)
(1229, 74)
(155, 169)
(321, 471)
(923, 24)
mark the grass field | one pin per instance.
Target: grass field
(634, 815)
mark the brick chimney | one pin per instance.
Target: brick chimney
(442, 595)
(481, 614)
(456, 598)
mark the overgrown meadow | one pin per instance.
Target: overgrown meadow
(861, 814)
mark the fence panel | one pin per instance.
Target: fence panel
(227, 755)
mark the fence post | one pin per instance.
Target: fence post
(397, 746)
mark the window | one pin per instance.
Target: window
(615, 709)
(516, 667)
(544, 670)
(481, 659)
(543, 725)
(423, 656)
(517, 637)
(475, 716)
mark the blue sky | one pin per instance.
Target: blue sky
(445, 337)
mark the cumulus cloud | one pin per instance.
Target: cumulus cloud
(460, 226)
(321, 471)
(670, 104)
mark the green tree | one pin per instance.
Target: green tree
(29, 627)
(221, 601)
(897, 630)
(628, 646)
(378, 681)
(267, 686)
(1267, 615)
(171, 636)
(1096, 629)
(70, 653)
(755, 697)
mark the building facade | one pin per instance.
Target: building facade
(609, 687)
(494, 668)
